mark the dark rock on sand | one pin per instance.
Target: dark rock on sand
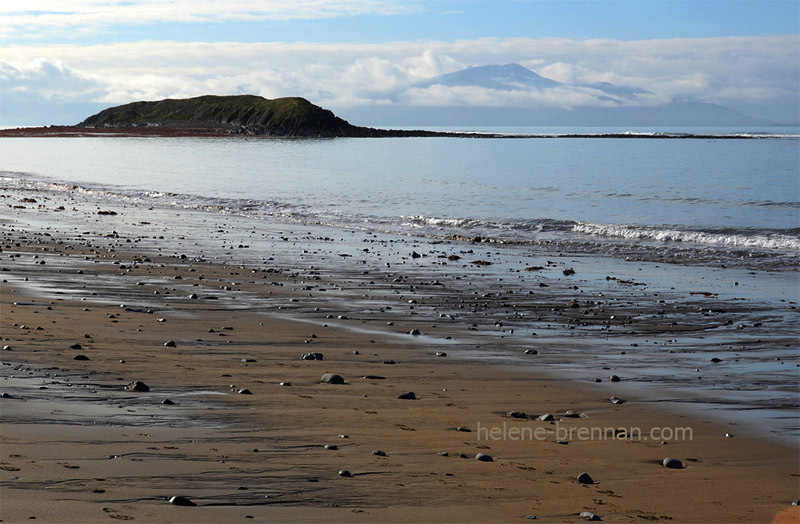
(76, 346)
(463, 429)
(517, 414)
(614, 378)
(547, 418)
(672, 463)
(374, 377)
(588, 515)
(414, 332)
(378, 453)
(332, 447)
(167, 402)
(80, 357)
(312, 356)
(244, 391)
(615, 400)
(531, 352)
(585, 478)
(332, 378)
(139, 386)
(6, 395)
(345, 473)
(181, 501)
(170, 344)
(571, 414)
(407, 396)
(483, 457)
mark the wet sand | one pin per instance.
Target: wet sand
(85, 449)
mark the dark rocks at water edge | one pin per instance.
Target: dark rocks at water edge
(181, 501)
(332, 378)
(138, 386)
(672, 463)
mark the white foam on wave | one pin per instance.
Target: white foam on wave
(735, 240)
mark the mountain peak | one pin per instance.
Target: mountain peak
(504, 77)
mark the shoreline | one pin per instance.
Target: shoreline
(306, 416)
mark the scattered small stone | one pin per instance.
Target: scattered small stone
(531, 352)
(517, 414)
(332, 447)
(76, 346)
(443, 453)
(285, 383)
(390, 362)
(562, 442)
(728, 435)
(332, 378)
(6, 395)
(571, 414)
(715, 360)
(585, 478)
(167, 402)
(244, 391)
(588, 515)
(407, 396)
(441, 354)
(345, 473)
(463, 429)
(530, 517)
(615, 400)
(614, 378)
(569, 271)
(374, 377)
(80, 357)
(139, 386)
(672, 463)
(312, 356)
(547, 418)
(181, 501)
(7, 348)
(414, 332)
(170, 344)
(483, 457)
(378, 453)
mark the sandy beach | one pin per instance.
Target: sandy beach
(235, 421)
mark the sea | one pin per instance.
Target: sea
(697, 210)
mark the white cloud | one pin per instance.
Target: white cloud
(753, 70)
(40, 18)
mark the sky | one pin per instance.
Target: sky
(61, 60)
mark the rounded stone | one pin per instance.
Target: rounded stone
(585, 478)
(345, 473)
(672, 463)
(139, 386)
(483, 457)
(181, 501)
(332, 378)
(407, 396)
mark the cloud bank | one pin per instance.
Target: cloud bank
(729, 71)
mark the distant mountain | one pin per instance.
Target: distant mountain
(614, 105)
(504, 77)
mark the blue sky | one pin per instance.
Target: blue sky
(83, 54)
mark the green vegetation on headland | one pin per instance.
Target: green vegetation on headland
(242, 114)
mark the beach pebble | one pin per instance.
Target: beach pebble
(672, 463)
(615, 400)
(285, 384)
(312, 356)
(167, 402)
(547, 417)
(531, 352)
(332, 378)
(80, 357)
(378, 453)
(170, 344)
(728, 435)
(614, 378)
(75, 346)
(6, 395)
(138, 385)
(332, 447)
(588, 515)
(244, 391)
(517, 414)
(414, 332)
(571, 414)
(345, 473)
(407, 396)
(483, 457)
(715, 360)
(181, 501)
(443, 453)
(441, 354)
(585, 478)
(7, 348)
(344, 436)
(463, 429)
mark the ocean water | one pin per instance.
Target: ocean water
(697, 200)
